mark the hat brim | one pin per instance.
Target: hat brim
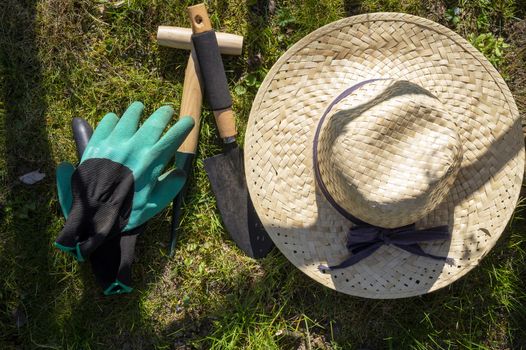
(284, 116)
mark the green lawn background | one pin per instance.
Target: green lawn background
(65, 58)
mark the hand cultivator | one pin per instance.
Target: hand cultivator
(191, 101)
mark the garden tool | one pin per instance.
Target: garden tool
(181, 38)
(226, 171)
(192, 98)
(118, 186)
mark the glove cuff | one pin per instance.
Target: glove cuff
(117, 287)
(75, 251)
(111, 263)
(87, 228)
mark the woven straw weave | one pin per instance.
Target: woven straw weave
(390, 153)
(287, 109)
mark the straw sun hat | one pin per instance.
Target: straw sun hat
(384, 155)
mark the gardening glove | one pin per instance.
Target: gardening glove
(118, 184)
(111, 262)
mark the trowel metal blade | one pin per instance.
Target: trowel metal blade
(227, 177)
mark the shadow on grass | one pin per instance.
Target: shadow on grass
(516, 300)
(282, 308)
(41, 306)
(26, 148)
(131, 327)
(516, 80)
(352, 7)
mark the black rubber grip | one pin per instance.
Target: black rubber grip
(82, 132)
(212, 70)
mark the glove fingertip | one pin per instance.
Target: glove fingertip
(134, 110)
(109, 118)
(136, 105)
(187, 122)
(167, 109)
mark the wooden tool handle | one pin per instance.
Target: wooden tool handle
(181, 38)
(191, 103)
(199, 18)
(213, 74)
(226, 124)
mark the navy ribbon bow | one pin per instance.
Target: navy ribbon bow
(364, 240)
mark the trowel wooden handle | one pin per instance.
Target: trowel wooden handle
(181, 38)
(226, 124)
(212, 71)
(191, 103)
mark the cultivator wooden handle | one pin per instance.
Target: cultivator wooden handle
(191, 103)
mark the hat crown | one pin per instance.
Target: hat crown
(388, 152)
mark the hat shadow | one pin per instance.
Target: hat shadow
(281, 291)
(433, 269)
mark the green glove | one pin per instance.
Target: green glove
(119, 183)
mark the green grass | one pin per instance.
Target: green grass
(60, 59)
